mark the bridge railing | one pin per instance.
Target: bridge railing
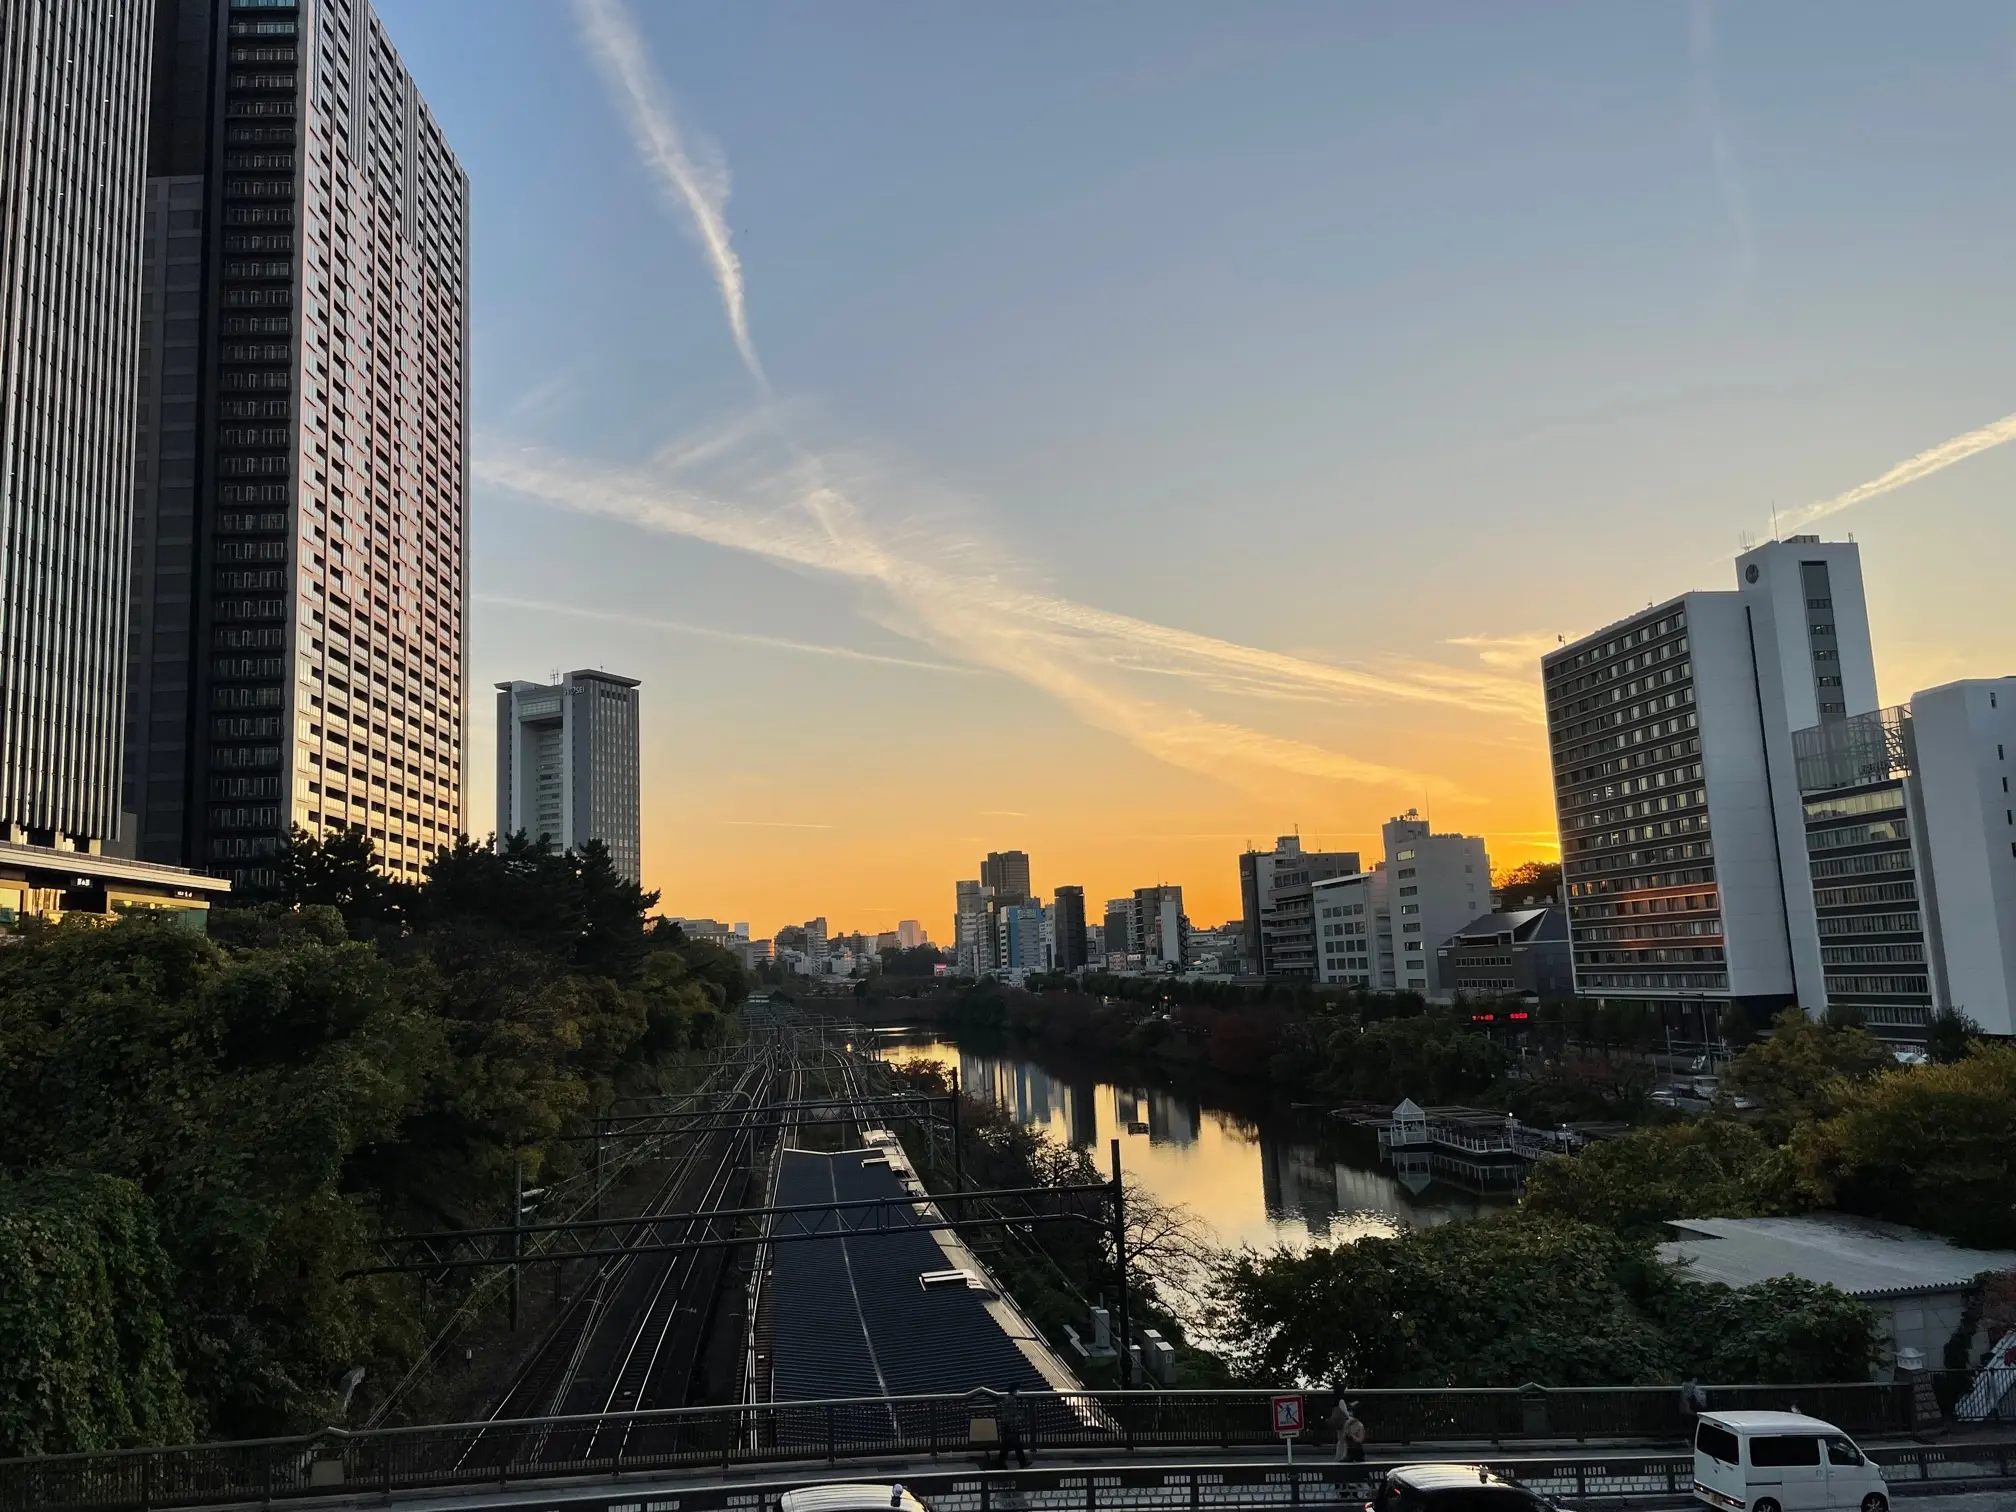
(828, 1432)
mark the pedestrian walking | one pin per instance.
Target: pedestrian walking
(1350, 1431)
(1014, 1428)
(1693, 1400)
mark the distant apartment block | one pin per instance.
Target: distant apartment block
(1018, 934)
(1278, 938)
(1160, 929)
(1346, 914)
(972, 934)
(300, 521)
(567, 764)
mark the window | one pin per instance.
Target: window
(1841, 1452)
(1769, 1449)
(1718, 1444)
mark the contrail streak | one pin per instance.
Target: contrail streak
(1932, 460)
(710, 632)
(1068, 650)
(971, 606)
(701, 191)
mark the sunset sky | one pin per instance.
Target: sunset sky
(1126, 431)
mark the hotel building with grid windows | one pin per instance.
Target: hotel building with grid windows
(300, 598)
(1683, 834)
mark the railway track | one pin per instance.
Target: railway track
(631, 1335)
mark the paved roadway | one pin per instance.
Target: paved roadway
(753, 1487)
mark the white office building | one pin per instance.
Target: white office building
(1964, 738)
(1437, 884)
(567, 764)
(1910, 835)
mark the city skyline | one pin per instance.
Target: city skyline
(751, 482)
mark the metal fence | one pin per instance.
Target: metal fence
(829, 1432)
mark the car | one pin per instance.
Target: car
(1454, 1488)
(1664, 1097)
(850, 1496)
(1782, 1461)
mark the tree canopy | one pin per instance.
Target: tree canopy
(214, 1129)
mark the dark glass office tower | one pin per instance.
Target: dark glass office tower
(1068, 928)
(300, 599)
(73, 120)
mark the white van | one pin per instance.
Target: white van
(1781, 1462)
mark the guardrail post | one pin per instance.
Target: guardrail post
(829, 1434)
(146, 1481)
(268, 1476)
(932, 1408)
(385, 1475)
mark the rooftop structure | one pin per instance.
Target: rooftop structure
(1862, 1256)
(1523, 952)
(1919, 1283)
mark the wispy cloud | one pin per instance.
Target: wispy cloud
(1509, 653)
(1933, 459)
(775, 824)
(698, 189)
(712, 632)
(956, 592)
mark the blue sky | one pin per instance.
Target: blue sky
(1394, 340)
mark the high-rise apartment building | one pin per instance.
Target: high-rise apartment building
(909, 934)
(301, 521)
(73, 129)
(1068, 924)
(1683, 838)
(1006, 874)
(567, 764)
(1278, 937)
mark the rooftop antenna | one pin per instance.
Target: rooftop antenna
(1774, 519)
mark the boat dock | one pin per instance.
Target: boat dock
(1480, 1148)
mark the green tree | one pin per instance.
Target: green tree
(1951, 1035)
(1431, 1058)
(1782, 1330)
(1804, 1069)
(1933, 1146)
(86, 1361)
(1492, 1302)
(1708, 1168)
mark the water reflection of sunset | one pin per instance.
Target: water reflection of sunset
(1254, 1183)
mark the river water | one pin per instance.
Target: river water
(1257, 1173)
